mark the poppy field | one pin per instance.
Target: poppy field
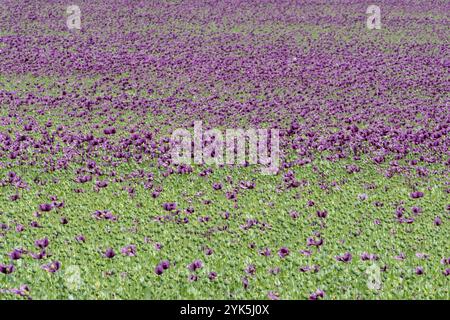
(93, 205)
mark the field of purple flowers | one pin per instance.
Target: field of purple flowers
(93, 207)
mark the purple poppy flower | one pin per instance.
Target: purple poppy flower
(101, 184)
(416, 210)
(368, 256)
(41, 243)
(346, 257)
(6, 269)
(251, 269)
(192, 278)
(109, 131)
(306, 252)
(445, 261)
(20, 228)
(217, 186)
(265, 252)
(52, 267)
(362, 196)
(212, 275)
(158, 246)
(197, 264)
(446, 272)
(416, 194)
(314, 242)
(165, 264)
(304, 269)
(159, 270)
(80, 238)
(283, 252)
(169, 206)
(16, 254)
(314, 268)
(129, 250)
(316, 295)
(23, 291)
(45, 207)
(294, 214)
(38, 256)
(104, 215)
(64, 220)
(322, 214)
(274, 271)
(273, 295)
(190, 210)
(109, 253)
(209, 251)
(437, 221)
(245, 282)
(419, 271)
(421, 255)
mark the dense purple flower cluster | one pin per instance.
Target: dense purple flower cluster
(110, 95)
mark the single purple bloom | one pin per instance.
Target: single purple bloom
(42, 243)
(416, 194)
(362, 196)
(159, 270)
(274, 271)
(316, 295)
(273, 295)
(52, 267)
(416, 210)
(217, 186)
(245, 282)
(294, 214)
(45, 207)
(109, 253)
(306, 252)
(34, 224)
(437, 221)
(101, 184)
(6, 269)
(80, 238)
(165, 264)
(322, 214)
(212, 275)
(283, 252)
(197, 264)
(421, 255)
(346, 257)
(251, 269)
(16, 254)
(104, 215)
(39, 256)
(192, 278)
(169, 206)
(129, 250)
(367, 256)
